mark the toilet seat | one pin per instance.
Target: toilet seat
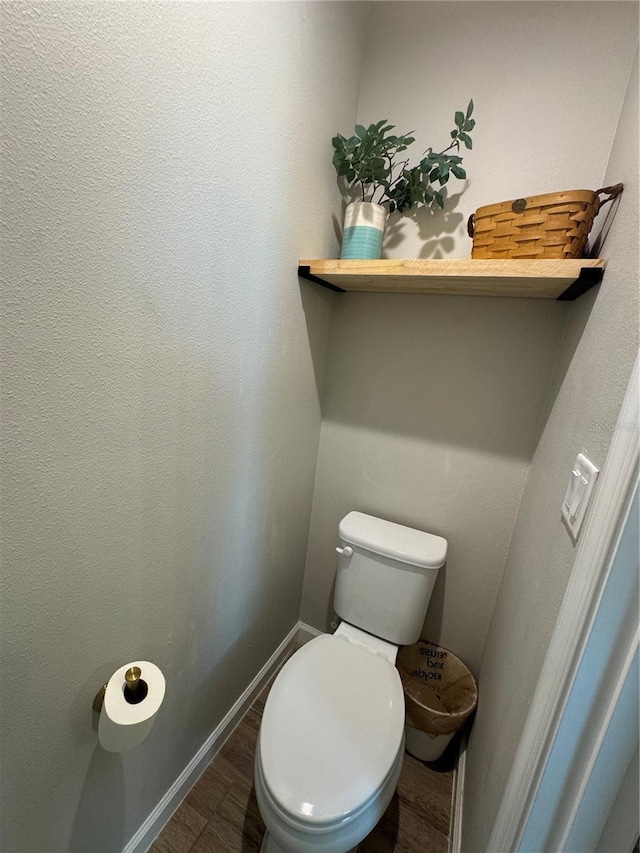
(320, 767)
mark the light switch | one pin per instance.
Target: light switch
(576, 500)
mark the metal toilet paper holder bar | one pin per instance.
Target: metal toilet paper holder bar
(132, 676)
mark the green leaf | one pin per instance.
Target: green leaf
(470, 108)
(373, 156)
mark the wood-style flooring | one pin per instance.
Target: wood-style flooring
(220, 814)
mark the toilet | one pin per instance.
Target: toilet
(331, 740)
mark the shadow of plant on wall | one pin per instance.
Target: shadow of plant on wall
(435, 227)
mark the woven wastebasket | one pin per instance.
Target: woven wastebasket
(440, 694)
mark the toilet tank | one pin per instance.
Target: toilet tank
(386, 573)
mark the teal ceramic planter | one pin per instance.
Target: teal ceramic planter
(363, 231)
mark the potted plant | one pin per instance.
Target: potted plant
(372, 167)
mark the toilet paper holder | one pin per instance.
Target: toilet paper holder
(98, 699)
(135, 689)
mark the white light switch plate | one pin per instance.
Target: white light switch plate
(581, 483)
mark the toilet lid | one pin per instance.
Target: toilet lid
(331, 729)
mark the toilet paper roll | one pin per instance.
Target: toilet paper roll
(123, 725)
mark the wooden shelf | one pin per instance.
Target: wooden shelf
(544, 279)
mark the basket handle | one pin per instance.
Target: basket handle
(613, 192)
(471, 225)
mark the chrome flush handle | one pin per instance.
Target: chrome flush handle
(347, 551)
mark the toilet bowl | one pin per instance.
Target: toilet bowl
(324, 779)
(331, 740)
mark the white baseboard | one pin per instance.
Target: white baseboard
(455, 833)
(150, 829)
(307, 632)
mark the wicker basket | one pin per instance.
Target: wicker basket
(555, 225)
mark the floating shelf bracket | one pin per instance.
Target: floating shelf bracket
(588, 278)
(304, 271)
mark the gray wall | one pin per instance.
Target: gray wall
(547, 83)
(164, 167)
(596, 359)
(431, 414)
(434, 405)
